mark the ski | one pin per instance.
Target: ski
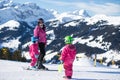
(35, 69)
(28, 68)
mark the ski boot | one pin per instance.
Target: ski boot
(67, 77)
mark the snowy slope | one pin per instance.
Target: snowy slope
(11, 25)
(83, 70)
(110, 20)
(109, 55)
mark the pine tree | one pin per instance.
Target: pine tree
(5, 53)
(17, 55)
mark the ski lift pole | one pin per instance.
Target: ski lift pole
(113, 62)
(101, 61)
(95, 60)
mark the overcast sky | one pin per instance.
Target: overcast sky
(108, 7)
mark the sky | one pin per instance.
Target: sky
(108, 7)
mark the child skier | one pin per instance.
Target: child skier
(67, 57)
(34, 53)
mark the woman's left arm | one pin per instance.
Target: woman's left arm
(36, 32)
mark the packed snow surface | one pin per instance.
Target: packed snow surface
(83, 69)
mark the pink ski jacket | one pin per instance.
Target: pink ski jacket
(33, 49)
(40, 33)
(68, 54)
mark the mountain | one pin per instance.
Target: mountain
(93, 38)
(92, 34)
(81, 13)
(69, 16)
(110, 20)
(13, 34)
(28, 12)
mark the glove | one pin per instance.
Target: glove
(36, 55)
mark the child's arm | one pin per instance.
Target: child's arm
(63, 54)
(31, 50)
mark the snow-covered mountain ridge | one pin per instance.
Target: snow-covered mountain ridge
(110, 20)
(30, 12)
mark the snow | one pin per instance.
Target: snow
(65, 17)
(26, 44)
(82, 70)
(26, 55)
(81, 12)
(110, 55)
(28, 12)
(12, 25)
(111, 20)
(71, 24)
(52, 36)
(83, 15)
(14, 43)
(49, 56)
(54, 24)
(96, 43)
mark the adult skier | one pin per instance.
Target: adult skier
(40, 33)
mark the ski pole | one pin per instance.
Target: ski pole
(60, 67)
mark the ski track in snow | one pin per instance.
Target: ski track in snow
(82, 70)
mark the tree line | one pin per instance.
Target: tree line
(16, 55)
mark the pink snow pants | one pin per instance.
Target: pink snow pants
(68, 69)
(33, 61)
